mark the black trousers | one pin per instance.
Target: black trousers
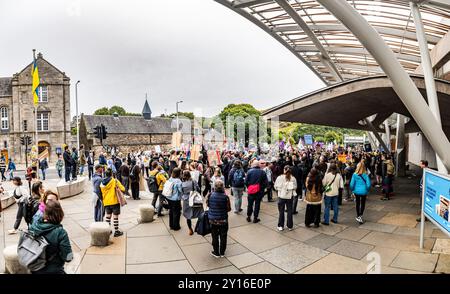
(269, 191)
(360, 204)
(90, 171)
(312, 214)
(74, 172)
(219, 238)
(135, 190)
(282, 205)
(174, 214)
(207, 189)
(19, 215)
(254, 200)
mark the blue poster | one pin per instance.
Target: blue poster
(437, 198)
(308, 139)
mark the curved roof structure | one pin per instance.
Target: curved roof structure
(329, 49)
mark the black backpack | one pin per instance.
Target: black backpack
(238, 178)
(31, 206)
(152, 183)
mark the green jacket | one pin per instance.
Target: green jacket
(58, 250)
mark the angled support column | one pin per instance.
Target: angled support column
(427, 67)
(387, 129)
(401, 153)
(401, 81)
(376, 134)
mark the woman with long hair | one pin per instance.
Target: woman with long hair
(190, 210)
(360, 186)
(313, 198)
(286, 186)
(333, 182)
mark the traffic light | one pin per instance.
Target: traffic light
(29, 140)
(97, 132)
(104, 132)
(22, 140)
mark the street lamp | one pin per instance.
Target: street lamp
(178, 125)
(78, 121)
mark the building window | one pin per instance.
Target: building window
(42, 121)
(43, 94)
(25, 125)
(4, 118)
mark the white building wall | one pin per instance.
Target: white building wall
(419, 148)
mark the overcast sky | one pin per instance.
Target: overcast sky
(194, 50)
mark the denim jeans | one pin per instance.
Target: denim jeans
(81, 169)
(237, 194)
(330, 202)
(67, 171)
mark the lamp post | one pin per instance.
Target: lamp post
(178, 125)
(78, 121)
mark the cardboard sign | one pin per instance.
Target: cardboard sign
(342, 158)
(176, 140)
(158, 149)
(195, 152)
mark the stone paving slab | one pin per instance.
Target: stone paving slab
(72, 267)
(234, 249)
(228, 270)
(116, 246)
(294, 256)
(399, 220)
(263, 268)
(331, 230)
(352, 234)
(385, 228)
(408, 231)
(171, 267)
(153, 249)
(156, 228)
(387, 270)
(301, 234)
(83, 242)
(183, 238)
(442, 246)
(387, 255)
(350, 249)
(437, 233)
(322, 241)
(407, 243)
(443, 265)
(102, 264)
(336, 264)
(248, 236)
(245, 259)
(424, 262)
(199, 257)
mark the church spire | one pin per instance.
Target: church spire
(147, 112)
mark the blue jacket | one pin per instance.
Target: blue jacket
(218, 206)
(96, 182)
(360, 185)
(177, 191)
(255, 176)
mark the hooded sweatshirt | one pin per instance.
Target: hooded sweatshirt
(108, 188)
(58, 250)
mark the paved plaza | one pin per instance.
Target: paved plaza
(390, 235)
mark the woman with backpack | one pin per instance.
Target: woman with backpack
(191, 195)
(219, 206)
(313, 198)
(20, 195)
(237, 181)
(173, 191)
(332, 183)
(58, 250)
(360, 186)
(286, 186)
(110, 202)
(388, 179)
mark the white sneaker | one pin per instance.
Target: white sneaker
(280, 229)
(12, 232)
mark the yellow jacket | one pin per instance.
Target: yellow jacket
(161, 178)
(109, 191)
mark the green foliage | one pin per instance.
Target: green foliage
(320, 133)
(189, 115)
(110, 111)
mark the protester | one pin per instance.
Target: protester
(97, 200)
(216, 177)
(110, 201)
(75, 163)
(135, 177)
(332, 182)
(190, 209)
(59, 250)
(82, 160)
(388, 178)
(175, 199)
(286, 186)
(90, 162)
(219, 206)
(360, 186)
(313, 198)
(21, 196)
(43, 166)
(11, 169)
(237, 182)
(59, 166)
(47, 196)
(124, 172)
(3, 167)
(68, 162)
(159, 175)
(256, 182)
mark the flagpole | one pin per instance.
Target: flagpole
(36, 119)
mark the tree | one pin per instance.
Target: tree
(331, 136)
(189, 115)
(102, 111)
(117, 109)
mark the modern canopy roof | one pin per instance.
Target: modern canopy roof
(329, 49)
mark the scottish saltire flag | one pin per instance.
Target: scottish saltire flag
(36, 83)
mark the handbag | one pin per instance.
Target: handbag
(195, 198)
(120, 197)
(328, 188)
(203, 227)
(253, 189)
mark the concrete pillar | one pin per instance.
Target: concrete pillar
(388, 135)
(376, 134)
(400, 152)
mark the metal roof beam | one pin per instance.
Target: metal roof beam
(299, 20)
(444, 4)
(247, 3)
(382, 30)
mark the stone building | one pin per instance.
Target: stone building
(17, 114)
(128, 133)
